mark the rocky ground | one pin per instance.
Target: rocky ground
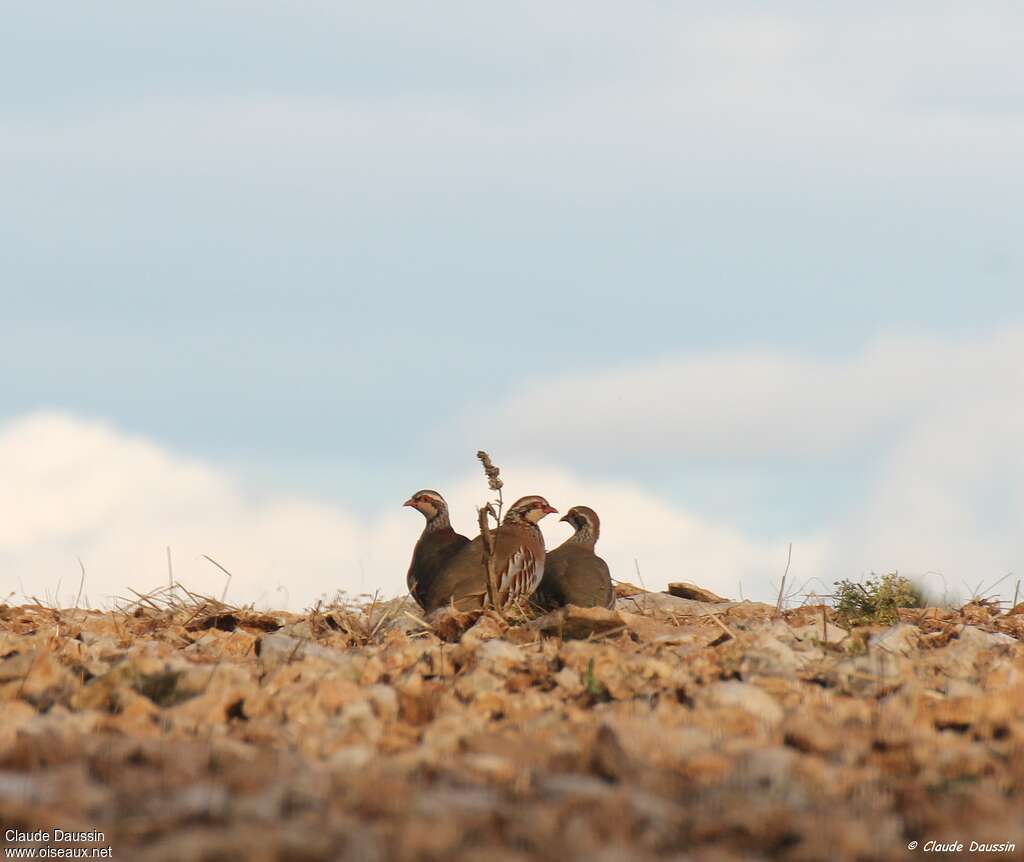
(669, 728)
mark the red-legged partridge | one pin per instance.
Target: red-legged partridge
(573, 573)
(518, 562)
(436, 546)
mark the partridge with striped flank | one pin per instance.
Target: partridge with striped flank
(518, 562)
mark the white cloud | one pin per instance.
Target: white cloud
(766, 404)
(948, 495)
(75, 488)
(936, 424)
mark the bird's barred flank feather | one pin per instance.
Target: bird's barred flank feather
(521, 576)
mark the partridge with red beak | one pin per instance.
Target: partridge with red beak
(436, 546)
(518, 562)
(573, 573)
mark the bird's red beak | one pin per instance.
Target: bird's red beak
(410, 502)
(550, 510)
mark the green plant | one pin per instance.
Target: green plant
(591, 684)
(876, 600)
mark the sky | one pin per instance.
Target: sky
(736, 277)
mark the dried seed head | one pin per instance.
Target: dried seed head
(493, 480)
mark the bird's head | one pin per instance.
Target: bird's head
(584, 521)
(530, 509)
(430, 503)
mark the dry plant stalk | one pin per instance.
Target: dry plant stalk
(495, 484)
(782, 586)
(488, 540)
(721, 624)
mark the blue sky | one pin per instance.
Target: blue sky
(328, 251)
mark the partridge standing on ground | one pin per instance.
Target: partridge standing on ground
(518, 562)
(573, 573)
(436, 546)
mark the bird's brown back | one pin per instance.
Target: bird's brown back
(461, 582)
(575, 575)
(433, 552)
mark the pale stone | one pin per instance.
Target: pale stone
(900, 639)
(747, 697)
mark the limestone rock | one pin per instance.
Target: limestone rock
(900, 639)
(686, 590)
(579, 623)
(821, 633)
(745, 696)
